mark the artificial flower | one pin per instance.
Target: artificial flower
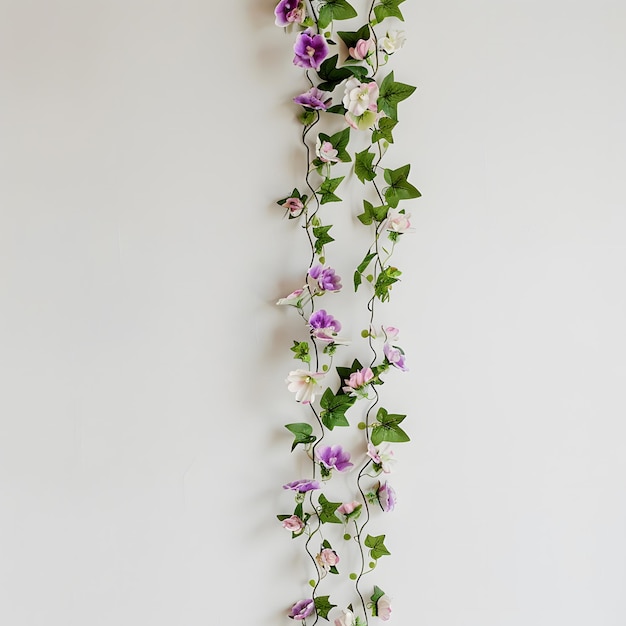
(303, 485)
(325, 151)
(302, 609)
(327, 558)
(382, 457)
(358, 382)
(397, 222)
(295, 298)
(347, 619)
(388, 333)
(362, 49)
(304, 384)
(334, 457)
(289, 12)
(393, 41)
(383, 607)
(295, 206)
(314, 99)
(293, 523)
(386, 497)
(327, 279)
(350, 509)
(395, 357)
(360, 97)
(324, 326)
(310, 50)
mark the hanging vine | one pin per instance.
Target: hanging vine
(359, 91)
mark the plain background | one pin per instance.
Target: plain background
(142, 360)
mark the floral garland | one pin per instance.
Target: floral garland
(354, 92)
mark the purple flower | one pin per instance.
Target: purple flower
(314, 99)
(303, 485)
(325, 327)
(386, 497)
(302, 609)
(395, 357)
(289, 11)
(326, 278)
(334, 457)
(310, 50)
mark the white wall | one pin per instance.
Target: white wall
(142, 145)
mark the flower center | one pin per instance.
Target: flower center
(310, 50)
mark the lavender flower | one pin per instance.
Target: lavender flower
(314, 99)
(303, 485)
(327, 279)
(302, 609)
(289, 12)
(334, 457)
(386, 497)
(310, 50)
(395, 357)
(325, 327)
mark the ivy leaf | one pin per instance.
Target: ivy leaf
(391, 93)
(335, 10)
(358, 274)
(339, 141)
(387, 428)
(385, 126)
(399, 187)
(321, 237)
(363, 165)
(351, 38)
(334, 408)
(337, 108)
(323, 606)
(301, 351)
(388, 8)
(327, 512)
(328, 188)
(330, 74)
(384, 282)
(377, 546)
(302, 434)
(375, 597)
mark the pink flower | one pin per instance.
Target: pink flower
(382, 457)
(325, 151)
(304, 384)
(295, 298)
(293, 523)
(383, 607)
(358, 379)
(395, 356)
(386, 497)
(327, 558)
(294, 206)
(361, 50)
(350, 509)
(398, 222)
(360, 97)
(347, 619)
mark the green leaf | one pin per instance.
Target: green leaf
(387, 428)
(327, 190)
(337, 108)
(334, 407)
(323, 606)
(302, 434)
(351, 38)
(385, 281)
(384, 130)
(301, 351)
(327, 511)
(335, 10)
(388, 8)
(399, 187)
(321, 237)
(363, 165)
(331, 75)
(391, 93)
(377, 546)
(344, 374)
(376, 596)
(358, 274)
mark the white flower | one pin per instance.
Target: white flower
(383, 607)
(304, 384)
(398, 222)
(296, 298)
(360, 97)
(347, 619)
(393, 41)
